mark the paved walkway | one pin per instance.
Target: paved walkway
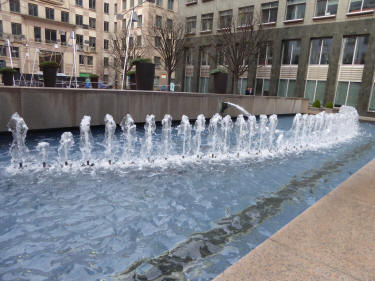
(332, 240)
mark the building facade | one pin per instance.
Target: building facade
(321, 49)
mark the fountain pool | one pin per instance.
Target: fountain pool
(180, 201)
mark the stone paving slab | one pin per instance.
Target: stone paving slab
(332, 240)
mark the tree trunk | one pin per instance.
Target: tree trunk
(235, 84)
(169, 78)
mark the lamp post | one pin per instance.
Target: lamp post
(11, 60)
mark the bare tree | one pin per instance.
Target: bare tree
(167, 38)
(117, 50)
(238, 45)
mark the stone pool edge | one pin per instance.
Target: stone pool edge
(331, 240)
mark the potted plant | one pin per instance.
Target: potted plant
(144, 74)
(329, 105)
(94, 80)
(220, 80)
(7, 73)
(316, 104)
(49, 69)
(132, 80)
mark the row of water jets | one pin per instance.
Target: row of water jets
(223, 137)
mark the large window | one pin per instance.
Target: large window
(189, 56)
(361, 5)
(269, 12)
(33, 10)
(158, 21)
(170, 4)
(37, 34)
(50, 35)
(92, 23)
(347, 93)
(225, 19)
(139, 22)
(16, 52)
(355, 48)
(326, 7)
(79, 20)
(157, 41)
(124, 4)
(79, 40)
(204, 56)
(203, 84)
(320, 50)
(50, 13)
(265, 55)
(16, 28)
(106, 26)
(139, 40)
(92, 4)
(241, 86)
(92, 42)
(14, 6)
(81, 59)
(286, 88)
(131, 3)
(64, 16)
(295, 9)
(79, 3)
(191, 24)
(262, 87)
(90, 60)
(245, 16)
(106, 8)
(106, 44)
(3, 51)
(188, 84)
(291, 51)
(207, 21)
(157, 62)
(315, 90)
(159, 3)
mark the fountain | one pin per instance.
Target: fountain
(166, 134)
(129, 134)
(184, 129)
(18, 147)
(109, 137)
(85, 139)
(66, 143)
(199, 127)
(42, 147)
(150, 128)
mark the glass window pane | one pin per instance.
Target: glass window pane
(372, 99)
(300, 11)
(327, 44)
(310, 90)
(362, 44)
(291, 88)
(287, 52)
(332, 7)
(355, 5)
(321, 7)
(296, 51)
(320, 90)
(348, 54)
(266, 87)
(282, 88)
(368, 4)
(353, 94)
(342, 89)
(258, 87)
(315, 51)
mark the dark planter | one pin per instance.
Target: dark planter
(132, 81)
(94, 82)
(8, 78)
(144, 76)
(49, 76)
(220, 83)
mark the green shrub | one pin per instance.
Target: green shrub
(7, 70)
(140, 60)
(329, 105)
(50, 64)
(316, 104)
(217, 70)
(131, 72)
(92, 75)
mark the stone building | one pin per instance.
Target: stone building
(321, 49)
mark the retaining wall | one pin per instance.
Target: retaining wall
(47, 108)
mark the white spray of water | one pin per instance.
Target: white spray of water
(42, 148)
(109, 136)
(86, 141)
(184, 129)
(18, 128)
(166, 134)
(66, 143)
(199, 127)
(150, 128)
(129, 134)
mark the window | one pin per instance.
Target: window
(81, 59)
(106, 44)
(115, 27)
(92, 4)
(156, 81)
(16, 28)
(157, 62)
(79, 40)
(221, 56)
(361, 5)
(123, 24)
(170, 4)
(355, 48)
(315, 90)
(115, 9)
(79, 3)
(16, 52)
(90, 60)
(241, 86)
(169, 24)
(265, 54)
(92, 23)
(131, 3)
(269, 12)
(225, 19)
(37, 34)
(63, 38)
(320, 49)
(105, 78)
(203, 84)
(2, 64)
(14, 6)
(191, 23)
(326, 7)
(50, 13)
(139, 40)
(1, 25)
(106, 8)
(3, 50)
(50, 36)
(79, 20)
(106, 26)
(371, 106)
(262, 87)
(188, 56)
(33, 10)
(188, 84)
(347, 93)
(295, 9)
(286, 88)
(158, 21)
(159, 3)
(291, 50)
(157, 42)
(204, 56)
(207, 22)
(124, 4)
(131, 42)
(139, 22)
(245, 16)
(140, 2)
(92, 42)
(64, 16)
(106, 61)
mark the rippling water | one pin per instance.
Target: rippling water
(181, 220)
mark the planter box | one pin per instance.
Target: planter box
(144, 75)
(49, 76)
(220, 83)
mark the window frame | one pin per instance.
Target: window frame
(326, 9)
(361, 10)
(248, 18)
(269, 7)
(106, 8)
(354, 51)
(65, 16)
(191, 22)
(225, 18)
(50, 13)
(207, 18)
(292, 52)
(33, 9)
(40, 34)
(320, 50)
(106, 26)
(302, 3)
(51, 32)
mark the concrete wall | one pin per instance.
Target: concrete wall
(46, 108)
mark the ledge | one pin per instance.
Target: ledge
(360, 13)
(324, 17)
(47, 20)
(271, 23)
(206, 32)
(293, 21)
(191, 3)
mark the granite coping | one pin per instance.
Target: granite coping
(332, 240)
